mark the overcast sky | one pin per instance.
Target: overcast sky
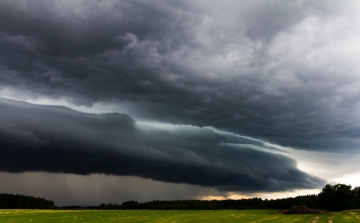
(108, 101)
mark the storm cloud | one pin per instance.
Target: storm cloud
(60, 140)
(274, 71)
(198, 92)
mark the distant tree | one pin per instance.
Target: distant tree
(356, 196)
(17, 201)
(129, 203)
(337, 197)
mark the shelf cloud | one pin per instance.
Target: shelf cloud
(231, 78)
(60, 140)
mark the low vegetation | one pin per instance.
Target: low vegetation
(303, 210)
(183, 216)
(332, 198)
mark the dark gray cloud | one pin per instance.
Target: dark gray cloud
(60, 140)
(277, 71)
(270, 70)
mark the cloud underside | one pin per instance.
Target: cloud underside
(60, 140)
(287, 74)
(203, 87)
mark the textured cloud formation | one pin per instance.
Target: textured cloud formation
(209, 92)
(285, 72)
(60, 140)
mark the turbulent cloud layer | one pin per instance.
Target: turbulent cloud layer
(60, 140)
(209, 90)
(281, 71)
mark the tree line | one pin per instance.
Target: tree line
(337, 197)
(11, 201)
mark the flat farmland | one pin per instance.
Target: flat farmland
(222, 216)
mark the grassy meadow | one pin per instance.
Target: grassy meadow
(222, 216)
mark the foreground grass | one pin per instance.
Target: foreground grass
(222, 216)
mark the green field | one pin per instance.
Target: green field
(172, 216)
